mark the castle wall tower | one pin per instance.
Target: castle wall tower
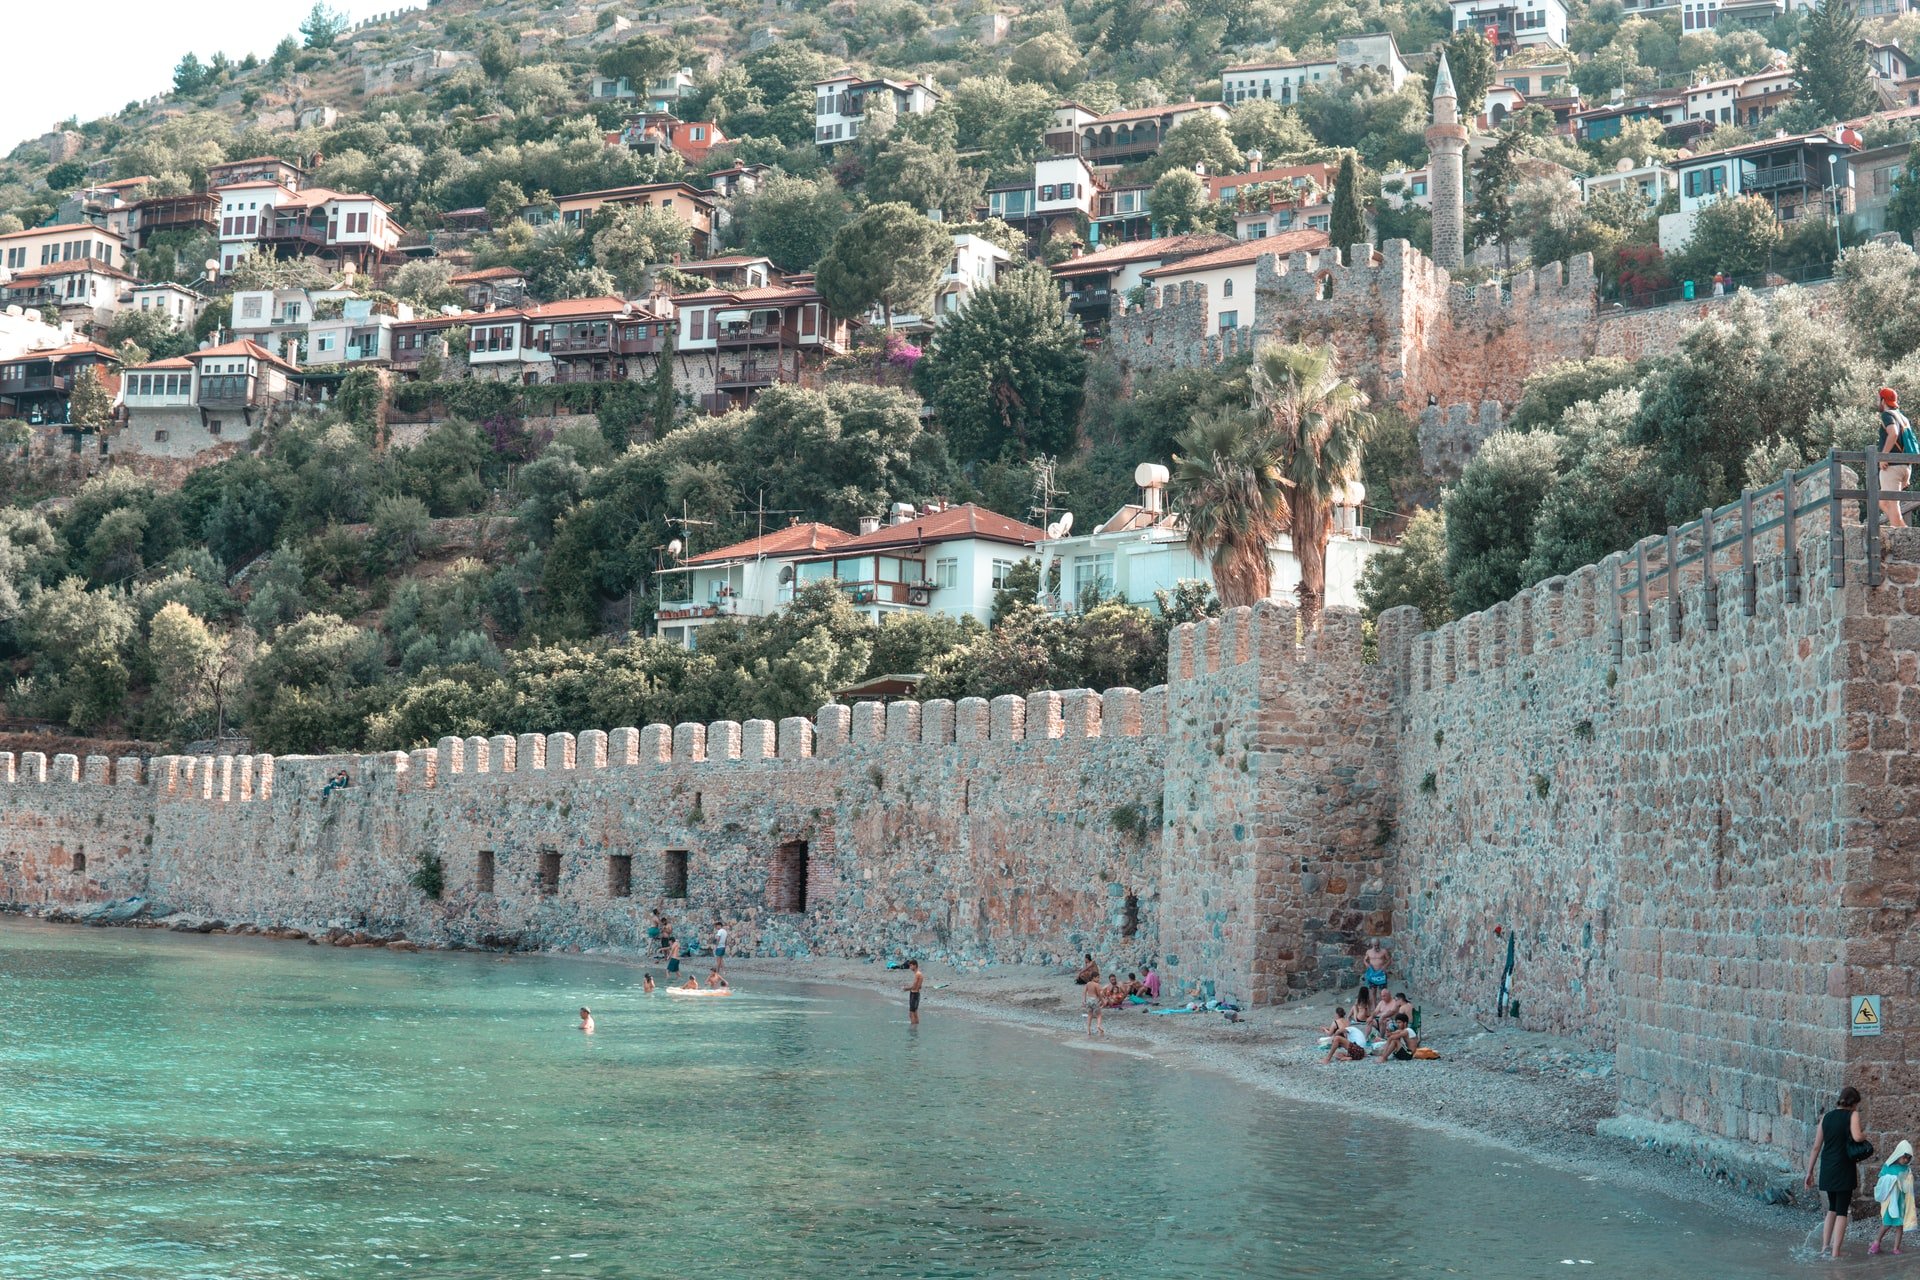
(1446, 147)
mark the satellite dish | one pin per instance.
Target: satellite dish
(1066, 524)
(1053, 530)
(786, 574)
(674, 548)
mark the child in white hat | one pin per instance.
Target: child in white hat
(1894, 1191)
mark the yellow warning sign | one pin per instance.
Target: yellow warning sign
(1866, 1015)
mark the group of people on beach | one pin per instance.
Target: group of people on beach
(1839, 1146)
(668, 947)
(1381, 1023)
(1113, 993)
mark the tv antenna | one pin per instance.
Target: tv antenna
(760, 511)
(1045, 491)
(686, 525)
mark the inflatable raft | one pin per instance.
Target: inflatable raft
(699, 991)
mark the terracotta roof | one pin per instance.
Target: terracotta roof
(574, 307)
(72, 349)
(71, 266)
(229, 164)
(1241, 252)
(796, 539)
(116, 186)
(1146, 113)
(177, 362)
(610, 192)
(951, 525)
(1318, 173)
(1765, 144)
(257, 182)
(1113, 257)
(1278, 66)
(447, 322)
(729, 260)
(48, 231)
(489, 273)
(251, 350)
(321, 195)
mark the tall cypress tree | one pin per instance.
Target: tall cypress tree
(1348, 225)
(1829, 65)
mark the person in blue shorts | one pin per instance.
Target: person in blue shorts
(1378, 958)
(719, 945)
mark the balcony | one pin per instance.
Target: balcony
(629, 343)
(905, 593)
(1089, 300)
(577, 346)
(293, 233)
(1774, 177)
(32, 383)
(772, 335)
(225, 392)
(683, 610)
(748, 374)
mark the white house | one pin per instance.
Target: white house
(750, 579)
(356, 335)
(1142, 549)
(1714, 100)
(1648, 179)
(44, 246)
(85, 291)
(244, 207)
(217, 396)
(1377, 51)
(976, 264)
(1062, 184)
(1513, 24)
(1280, 82)
(276, 319)
(178, 303)
(945, 560)
(840, 103)
(1229, 274)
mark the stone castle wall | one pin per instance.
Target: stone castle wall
(1699, 833)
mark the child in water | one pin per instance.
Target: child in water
(586, 1021)
(647, 986)
(1894, 1191)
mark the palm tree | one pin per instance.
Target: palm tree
(1230, 493)
(1316, 429)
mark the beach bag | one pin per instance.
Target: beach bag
(1425, 1054)
(1858, 1151)
(1908, 444)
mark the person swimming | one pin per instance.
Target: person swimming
(716, 981)
(647, 985)
(691, 984)
(586, 1021)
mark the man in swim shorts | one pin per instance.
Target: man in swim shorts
(913, 992)
(1378, 958)
(673, 956)
(719, 945)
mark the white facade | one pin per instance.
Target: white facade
(1532, 22)
(277, 319)
(242, 209)
(1280, 82)
(1376, 52)
(1714, 101)
(355, 336)
(840, 104)
(1062, 184)
(1648, 180)
(178, 303)
(24, 329)
(1142, 550)
(976, 264)
(956, 578)
(44, 246)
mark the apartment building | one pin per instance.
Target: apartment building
(841, 102)
(687, 203)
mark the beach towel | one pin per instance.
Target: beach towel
(1894, 1190)
(1179, 1010)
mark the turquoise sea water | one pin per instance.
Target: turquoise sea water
(234, 1108)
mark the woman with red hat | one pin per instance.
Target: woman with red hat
(1896, 436)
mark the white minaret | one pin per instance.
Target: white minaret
(1446, 169)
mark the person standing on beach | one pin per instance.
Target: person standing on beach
(719, 946)
(1839, 1129)
(913, 992)
(673, 956)
(1378, 958)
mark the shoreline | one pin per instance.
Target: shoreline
(1527, 1093)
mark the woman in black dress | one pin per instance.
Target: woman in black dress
(1839, 1176)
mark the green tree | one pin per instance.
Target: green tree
(1413, 574)
(1318, 433)
(499, 55)
(1199, 143)
(1276, 132)
(322, 26)
(196, 669)
(188, 74)
(1470, 60)
(1547, 395)
(793, 220)
(1004, 374)
(90, 404)
(1828, 65)
(1228, 489)
(634, 239)
(1490, 515)
(1880, 295)
(1347, 224)
(1178, 203)
(661, 398)
(1608, 495)
(929, 178)
(1734, 234)
(283, 55)
(1494, 179)
(891, 256)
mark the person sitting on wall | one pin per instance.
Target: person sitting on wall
(1087, 972)
(337, 781)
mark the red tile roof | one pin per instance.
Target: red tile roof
(72, 349)
(567, 307)
(1114, 257)
(489, 273)
(177, 362)
(794, 540)
(1153, 113)
(951, 525)
(1244, 251)
(71, 266)
(48, 231)
(251, 350)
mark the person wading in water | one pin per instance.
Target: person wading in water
(1839, 1136)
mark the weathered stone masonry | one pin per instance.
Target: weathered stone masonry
(1701, 838)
